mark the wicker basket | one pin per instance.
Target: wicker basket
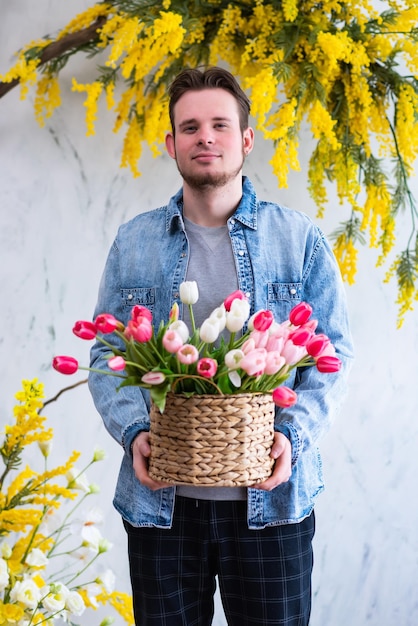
(212, 440)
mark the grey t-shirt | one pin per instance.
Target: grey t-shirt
(212, 266)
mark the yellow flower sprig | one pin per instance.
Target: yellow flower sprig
(334, 66)
(40, 553)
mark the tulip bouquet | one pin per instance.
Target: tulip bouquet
(220, 357)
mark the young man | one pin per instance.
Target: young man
(258, 541)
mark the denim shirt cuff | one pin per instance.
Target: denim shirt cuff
(287, 429)
(130, 433)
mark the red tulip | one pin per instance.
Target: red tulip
(328, 364)
(263, 320)
(284, 397)
(301, 336)
(300, 314)
(85, 330)
(317, 344)
(65, 364)
(106, 323)
(235, 295)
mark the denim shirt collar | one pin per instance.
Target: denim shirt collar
(246, 212)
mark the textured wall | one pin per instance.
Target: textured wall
(62, 196)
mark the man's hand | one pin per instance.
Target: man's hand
(282, 470)
(141, 451)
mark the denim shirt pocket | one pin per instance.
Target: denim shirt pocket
(142, 296)
(282, 297)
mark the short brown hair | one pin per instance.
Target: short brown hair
(195, 79)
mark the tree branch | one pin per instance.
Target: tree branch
(55, 398)
(58, 48)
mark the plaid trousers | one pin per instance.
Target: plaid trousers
(264, 575)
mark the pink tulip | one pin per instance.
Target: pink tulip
(260, 338)
(141, 311)
(301, 335)
(274, 363)
(263, 320)
(207, 367)
(300, 314)
(116, 363)
(153, 378)
(284, 397)
(187, 354)
(293, 354)
(85, 330)
(254, 362)
(235, 295)
(107, 323)
(140, 330)
(172, 341)
(65, 364)
(275, 344)
(328, 364)
(248, 345)
(317, 344)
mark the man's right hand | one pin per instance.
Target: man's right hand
(141, 451)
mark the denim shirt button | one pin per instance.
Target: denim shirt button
(130, 296)
(241, 252)
(293, 291)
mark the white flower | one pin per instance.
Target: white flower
(45, 447)
(5, 550)
(235, 378)
(75, 603)
(27, 592)
(105, 546)
(91, 536)
(181, 328)
(98, 454)
(107, 579)
(233, 358)
(77, 480)
(4, 575)
(237, 315)
(209, 330)
(36, 558)
(54, 597)
(50, 523)
(189, 292)
(219, 314)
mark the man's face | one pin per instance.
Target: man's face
(209, 146)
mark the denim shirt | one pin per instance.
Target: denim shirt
(282, 258)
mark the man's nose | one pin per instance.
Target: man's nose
(205, 137)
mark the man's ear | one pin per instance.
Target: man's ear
(170, 145)
(248, 140)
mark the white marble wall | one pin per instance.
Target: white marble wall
(62, 196)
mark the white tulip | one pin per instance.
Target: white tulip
(189, 292)
(181, 328)
(237, 315)
(209, 330)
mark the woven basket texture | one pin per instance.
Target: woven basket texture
(212, 440)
